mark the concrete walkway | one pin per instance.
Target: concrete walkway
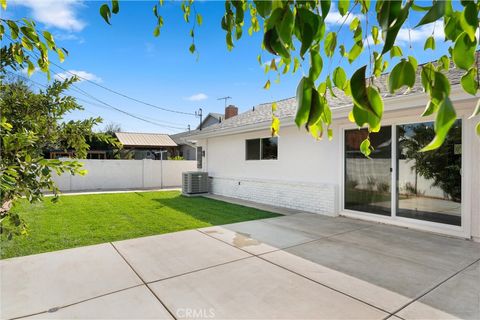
(301, 266)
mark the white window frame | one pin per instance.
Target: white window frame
(261, 149)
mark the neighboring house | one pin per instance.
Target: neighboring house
(186, 149)
(437, 192)
(140, 146)
(211, 119)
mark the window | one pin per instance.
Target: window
(269, 148)
(261, 149)
(253, 149)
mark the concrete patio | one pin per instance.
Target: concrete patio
(301, 266)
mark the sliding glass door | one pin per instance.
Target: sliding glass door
(368, 181)
(427, 184)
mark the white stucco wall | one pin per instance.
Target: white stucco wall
(309, 185)
(126, 174)
(319, 162)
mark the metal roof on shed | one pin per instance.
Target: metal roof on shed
(133, 139)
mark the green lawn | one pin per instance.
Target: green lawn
(89, 219)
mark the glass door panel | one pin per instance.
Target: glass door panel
(368, 181)
(429, 183)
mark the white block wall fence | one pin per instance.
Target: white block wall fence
(310, 197)
(126, 174)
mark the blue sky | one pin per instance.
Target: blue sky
(127, 58)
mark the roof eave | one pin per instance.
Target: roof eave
(400, 102)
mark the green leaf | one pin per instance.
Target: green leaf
(476, 111)
(199, 19)
(267, 85)
(13, 29)
(156, 31)
(229, 41)
(31, 68)
(395, 18)
(61, 55)
(316, 64)
(49, 38)
(339, 78)
(355, 51)
(429, 43)
(396, 51)
(354, 24)
(330, 44)
(431, 108)
(343, 6)
(325, 4)
(105, 13)
(26, 43)
(464, 51)
(440, 88)
(446, 117)
(414, 62)
(366, 99)
(443, 63)
(403, 74)
(316, 109)
(365, 147)
(469, 81)
(296, 64)
(115, 6)
(452, 26)
(416, 7)
(4, 4)
(477, 129)
(375, 35)
(330, 134)
(304, 101)
(264, 7)
(192, 48)
(307, 39)
(376, 103)
(436, 12)
(469, 20)
(286, 27)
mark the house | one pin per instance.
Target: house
(186, 149)
(435, 191)
(211, 119)
(140, 146)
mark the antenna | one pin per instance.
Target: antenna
(225, 98)
(199, 114)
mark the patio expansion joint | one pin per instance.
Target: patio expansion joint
(198, 270)
(55, 309)
(434, 287)
(259, 256)
(144, 283)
